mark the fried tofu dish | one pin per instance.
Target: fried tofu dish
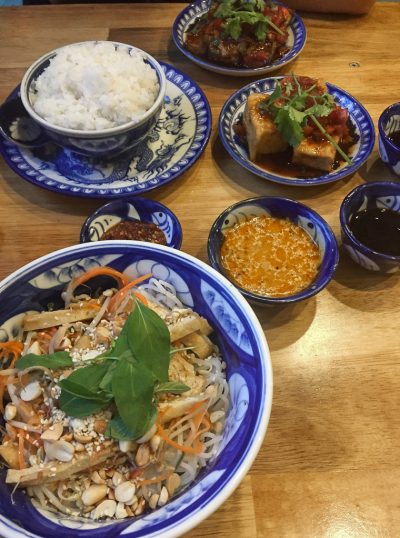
(299, 117)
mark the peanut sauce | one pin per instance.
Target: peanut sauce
(270, 256)
(135, 230)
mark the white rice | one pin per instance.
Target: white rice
(93, 86)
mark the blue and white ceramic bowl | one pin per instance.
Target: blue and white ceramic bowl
(233, 109)
(389, 122)
(240, 338)
(174, 145)
(381, 194)
(107, 142)
(136, 208)
(315, 226)
(296, 42)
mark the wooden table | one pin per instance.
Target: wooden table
(329, 465)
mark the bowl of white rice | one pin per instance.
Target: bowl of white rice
(98, 98)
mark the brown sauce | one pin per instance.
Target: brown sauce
(281, 163)
(378, 229)
(135, 230)
(270, 256)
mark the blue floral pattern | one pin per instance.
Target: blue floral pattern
(176, 142)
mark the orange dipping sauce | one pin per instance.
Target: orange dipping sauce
(270, 256)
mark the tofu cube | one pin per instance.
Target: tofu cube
(263, 137)
(319, 155)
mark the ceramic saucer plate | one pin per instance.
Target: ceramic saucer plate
(233, 109)
(178, 140)
(296, 42)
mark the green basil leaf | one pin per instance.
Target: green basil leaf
(105, 383)
(74, 406)
(150, 341)
(117, 429)
(89, 377)
(82, 392)
(133, 389)
(54, 361)
(174, 387)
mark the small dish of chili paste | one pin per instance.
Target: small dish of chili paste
(135, 230)
(134, 219)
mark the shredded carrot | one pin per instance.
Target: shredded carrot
(3, 384)
(141, 298)
(159, 478)
(206, 427)
(99, 271)
(183, 448)
(21, 457)
(11, 348)
(122, 293)
(197, 419)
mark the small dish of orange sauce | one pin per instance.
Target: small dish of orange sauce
(270, 256)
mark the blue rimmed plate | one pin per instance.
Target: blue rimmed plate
(296, 42)
(178, 140)
(233, 109)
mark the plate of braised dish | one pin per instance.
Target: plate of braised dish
(239, 37)
(296, 130)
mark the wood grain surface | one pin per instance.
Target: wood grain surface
(329, 465)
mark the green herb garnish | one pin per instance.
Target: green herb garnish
(290, 112)
(236, 12)
(127, 377)
(53, 361)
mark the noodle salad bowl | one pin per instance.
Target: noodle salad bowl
(242, 347)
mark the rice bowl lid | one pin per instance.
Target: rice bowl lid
(28, 78)
(227, 309)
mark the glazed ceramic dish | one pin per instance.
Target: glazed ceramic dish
(93, 143)
(240, 338)
(301, 215)
(388, 123)
(177, 141)
(296, 42)
(137, 208)
(378, 195)
(233, 109)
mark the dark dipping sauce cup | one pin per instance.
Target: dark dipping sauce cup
(373, 199)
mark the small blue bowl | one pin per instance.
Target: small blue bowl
(100, 143)
(381, 194)
(132, 209)
(316, 227)
(389, 121)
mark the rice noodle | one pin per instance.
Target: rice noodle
(161, 292)
(24, 426)
(54, 501)
(185, 420)
(96, 320)
(57, 337)
(8, 372)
